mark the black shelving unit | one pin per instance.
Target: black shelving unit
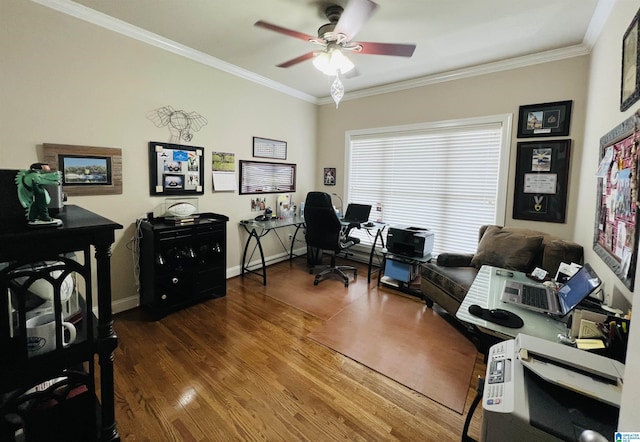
(402, 285)
(182, 263)
(52, 396)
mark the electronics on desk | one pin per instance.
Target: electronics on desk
(538, 390)
(357, 213)
(410, 241)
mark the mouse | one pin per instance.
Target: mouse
(369, 224)
(500, 314)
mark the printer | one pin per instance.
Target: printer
(410, 241)
(538, 390)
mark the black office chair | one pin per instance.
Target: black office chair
(325, 232)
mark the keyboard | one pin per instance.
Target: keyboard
(535, 297)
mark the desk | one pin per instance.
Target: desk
(260, 229)
(486, 291)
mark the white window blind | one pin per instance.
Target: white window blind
(448, 177)
(264, 177)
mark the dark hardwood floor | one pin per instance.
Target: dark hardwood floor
(242, 368)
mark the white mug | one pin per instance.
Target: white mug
(41, 334)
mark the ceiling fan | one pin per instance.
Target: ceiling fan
(337, 36)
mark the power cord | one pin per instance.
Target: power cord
(472, 409)
(134, 246)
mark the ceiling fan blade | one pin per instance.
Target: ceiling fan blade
(397, 49)
(355, 15)
(297, 60)
(285, 31)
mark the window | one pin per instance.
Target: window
(450, 177)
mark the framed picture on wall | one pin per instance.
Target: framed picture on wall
(175, 169)
(86, 170)
(542, 178)
(630, 83)
(544, 119)
(329, 176)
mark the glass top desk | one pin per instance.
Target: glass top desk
(486, 291)
(260, 229)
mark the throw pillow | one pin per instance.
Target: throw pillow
(506, 249)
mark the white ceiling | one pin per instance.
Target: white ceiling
(453, 37)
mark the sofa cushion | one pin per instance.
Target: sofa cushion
(557, 251)
(507, 249)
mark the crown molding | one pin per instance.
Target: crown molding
(105, 21)
(603, 9)
(598, 20)
(473, 71)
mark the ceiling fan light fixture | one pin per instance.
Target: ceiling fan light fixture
(340, 62)
(331, 62)
(321, 63)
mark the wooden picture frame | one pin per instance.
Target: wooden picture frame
(630, 80)
(615, 236)
(544, 119)
(266, 148)
(101, 173)
(175, 169)
(542, 179)
(266, 177)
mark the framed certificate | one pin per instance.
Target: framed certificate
(542, 173)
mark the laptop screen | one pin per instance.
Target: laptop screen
(577, 288)
(357, 213)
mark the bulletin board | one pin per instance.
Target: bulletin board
(616, 224)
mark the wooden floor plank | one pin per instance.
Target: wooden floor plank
(242, 368)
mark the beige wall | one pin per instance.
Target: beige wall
(69, 82)
(602, 115)
(492, 94)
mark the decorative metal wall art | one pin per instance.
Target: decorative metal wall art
(181, 124)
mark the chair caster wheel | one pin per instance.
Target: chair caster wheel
(315, 282)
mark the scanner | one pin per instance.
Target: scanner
(538, 390)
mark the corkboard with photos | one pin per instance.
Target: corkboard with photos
(616, 223)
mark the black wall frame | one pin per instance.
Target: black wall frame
(542, 179)
(175, 169)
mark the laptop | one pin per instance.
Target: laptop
(357, 213)
(556, 302)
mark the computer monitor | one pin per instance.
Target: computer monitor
(357, 213)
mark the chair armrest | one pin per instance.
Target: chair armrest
(455, 259)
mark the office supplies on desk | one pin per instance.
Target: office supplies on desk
(557, 302)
